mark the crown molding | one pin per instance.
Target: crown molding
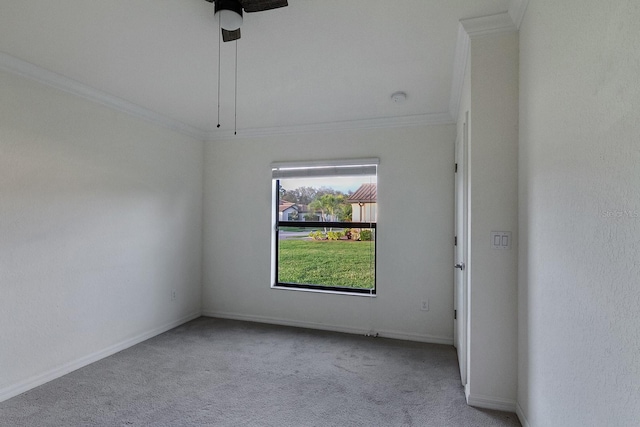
(379, 123)
(26, 69)
(517, 9)
(467, 30)
(472, 28)
(488, 25)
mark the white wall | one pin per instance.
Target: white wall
(490, 94)
(415, 226)
(579, 278)
(100, 219)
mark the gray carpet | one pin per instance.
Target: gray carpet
(229, 373)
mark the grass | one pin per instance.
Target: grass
(343, 263)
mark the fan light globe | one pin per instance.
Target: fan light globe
(229, 20)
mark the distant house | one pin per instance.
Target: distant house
(288, 211)
(305, 214)
(364, 203)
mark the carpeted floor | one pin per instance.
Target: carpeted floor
(228, 373)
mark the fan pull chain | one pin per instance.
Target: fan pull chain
(235, 123)
(219, 42)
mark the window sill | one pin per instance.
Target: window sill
(323, 291)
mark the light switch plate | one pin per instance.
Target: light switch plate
(501, 240)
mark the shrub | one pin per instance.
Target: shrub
(333, 235)
(366, 235)
(317, 235)
(355, 234)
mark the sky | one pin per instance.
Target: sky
(343, 184)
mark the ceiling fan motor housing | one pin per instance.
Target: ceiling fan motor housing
(230, 14)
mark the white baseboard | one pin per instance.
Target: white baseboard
(325, 327)
(490, 402)
(28, 384)
(521, 416)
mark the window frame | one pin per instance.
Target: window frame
(277, 223)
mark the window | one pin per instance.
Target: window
(324, 226)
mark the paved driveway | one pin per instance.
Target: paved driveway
(293, 235)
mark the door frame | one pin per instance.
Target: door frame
(461, 226)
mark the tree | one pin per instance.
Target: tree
(310, 217)
(305, 195)
(329, 206)
(301, 195)
(345, 213)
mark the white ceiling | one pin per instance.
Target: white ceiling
(313, 62)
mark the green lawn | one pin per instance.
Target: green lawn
(342, 263)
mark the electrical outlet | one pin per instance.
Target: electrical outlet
(173, 295)
(425, 305)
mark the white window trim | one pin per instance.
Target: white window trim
(340, 167)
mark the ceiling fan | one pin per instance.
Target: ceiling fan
(230, 13)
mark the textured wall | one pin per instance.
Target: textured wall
(415, 225)
(100, 219)
(579, 293)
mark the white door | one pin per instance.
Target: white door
(460, 241)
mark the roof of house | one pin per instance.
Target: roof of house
(286, 205)
(366, 193)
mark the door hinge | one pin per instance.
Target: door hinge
(455, 240)
(456, 168)
(455, 314)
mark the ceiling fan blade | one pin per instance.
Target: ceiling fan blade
(262, 5)
(229, 36)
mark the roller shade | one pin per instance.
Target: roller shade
(317, 169)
